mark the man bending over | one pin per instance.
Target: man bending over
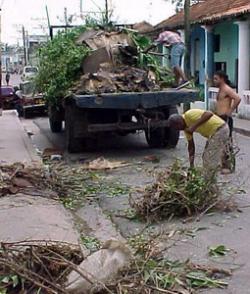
(209, 126)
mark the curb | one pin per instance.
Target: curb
(243, 132)
(28, 143)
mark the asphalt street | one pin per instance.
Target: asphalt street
(229, 229)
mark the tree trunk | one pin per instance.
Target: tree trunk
(106, 12)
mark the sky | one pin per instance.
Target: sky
(32, 13)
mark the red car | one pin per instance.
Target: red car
(7, 95)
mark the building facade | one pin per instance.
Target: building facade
(220, 40)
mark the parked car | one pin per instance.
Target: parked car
(29, 72)
(7, 95)
(31, 101)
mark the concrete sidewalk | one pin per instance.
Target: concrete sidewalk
(15, 144)
(26, 217)
(242, 126)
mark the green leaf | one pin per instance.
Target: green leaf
(5, 280)
(15, 280)
(217, 251)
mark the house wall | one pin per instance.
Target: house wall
(228, 47)
(198, 53)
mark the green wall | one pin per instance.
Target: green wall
(228, 32)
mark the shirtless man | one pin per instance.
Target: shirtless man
(227, 101)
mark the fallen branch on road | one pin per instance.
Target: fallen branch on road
(33, 266)
(152, 272)
(176, 192)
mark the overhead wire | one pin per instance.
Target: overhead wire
(2, 3)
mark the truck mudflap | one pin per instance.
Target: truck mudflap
(146, 100)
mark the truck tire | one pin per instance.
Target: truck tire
(156, 138)
(163, 137)
(171, 135)
(26, 114)
(55, 126)
(73, 144)
(55, 120)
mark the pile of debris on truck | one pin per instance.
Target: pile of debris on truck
(117, 63)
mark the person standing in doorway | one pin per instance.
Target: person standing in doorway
(227, 102)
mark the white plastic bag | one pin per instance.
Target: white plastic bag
(100, 267)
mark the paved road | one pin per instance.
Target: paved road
(230, 229)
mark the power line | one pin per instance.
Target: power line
(2, 3)
(96, 4)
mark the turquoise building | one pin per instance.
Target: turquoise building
(222, 51)
(220, 40)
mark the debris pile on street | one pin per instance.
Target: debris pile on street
(57, 267)
(101, 267)
(73, 184)
(59, 181)
(20, 178)
(152, 272)
(176, 192)
(102, 163)
(37, 267)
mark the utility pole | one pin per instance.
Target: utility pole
(1, 106)
(24, 46)
(48, 19)
(187, 29)
(81, 9)
(47, 13)
(106, 12)
(27, 46)
(66, 16)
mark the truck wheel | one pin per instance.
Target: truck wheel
(163, 137)
(26, 114)
(73, 144)
(55, 119)
(55, 126)
(156, 138)
(171, 135)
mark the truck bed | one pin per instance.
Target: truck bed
(146, 100)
